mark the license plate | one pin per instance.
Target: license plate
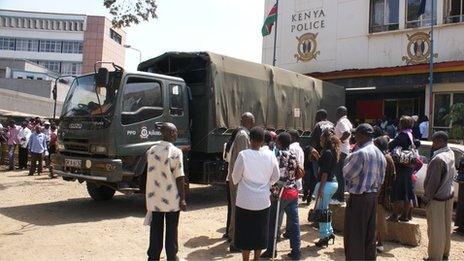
(72, 163)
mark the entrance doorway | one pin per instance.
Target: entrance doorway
(395, 108)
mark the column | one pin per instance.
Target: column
(402, 17)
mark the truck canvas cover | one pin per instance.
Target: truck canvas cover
(223, 88)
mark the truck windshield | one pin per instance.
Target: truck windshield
(82, 99)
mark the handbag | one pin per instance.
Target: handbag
(406, 157)
(299, 172)
(319, 215)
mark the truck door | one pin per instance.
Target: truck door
(142, 112)
(178, 111)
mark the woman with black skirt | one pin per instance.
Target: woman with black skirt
(254, 171)
(402, 189)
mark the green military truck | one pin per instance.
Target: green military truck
(111, 118)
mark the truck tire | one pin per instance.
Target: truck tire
(100, 193)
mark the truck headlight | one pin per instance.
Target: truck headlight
(98, 149)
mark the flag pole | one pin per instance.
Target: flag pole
(431, 69)
(275, 34)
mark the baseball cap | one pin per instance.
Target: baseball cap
(365, 128)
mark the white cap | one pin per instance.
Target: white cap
(47, 123)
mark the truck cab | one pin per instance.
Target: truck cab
(108, 122)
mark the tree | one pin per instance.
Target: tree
(128, 12)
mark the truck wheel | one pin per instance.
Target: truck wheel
(100, 193)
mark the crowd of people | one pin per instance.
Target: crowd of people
(34, 140)
(268, 170)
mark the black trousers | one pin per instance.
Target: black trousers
(359, 235)
(310, 180)
(156, 235)
(340, 193)
(22, 155)
(36, 163)
(229, 208)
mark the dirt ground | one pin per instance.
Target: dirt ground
(43, 219)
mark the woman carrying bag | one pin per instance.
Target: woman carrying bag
(327, 185)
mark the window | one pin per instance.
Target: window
(142, 100)
(51, 65)
(115, 36)
(414, 20)
(27, 45)
(454, 11)
(72, 47)
(71, 68)
(50, 46)
(30, 77)
(7, 43)
(441, 108)
(176, 100)
(384, 15)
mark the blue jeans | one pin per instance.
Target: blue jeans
(11, 154)
(325, 228)
(290, 207)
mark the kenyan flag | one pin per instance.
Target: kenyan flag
(270, 20)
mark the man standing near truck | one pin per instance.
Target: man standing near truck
(239, 143)
(164, 193)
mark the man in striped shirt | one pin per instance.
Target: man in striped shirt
(364, 174)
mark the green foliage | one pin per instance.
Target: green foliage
(128, 12)
(456, 118)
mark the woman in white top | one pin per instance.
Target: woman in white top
(254, 171)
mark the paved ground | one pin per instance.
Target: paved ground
(43, 219)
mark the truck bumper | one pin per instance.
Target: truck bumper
(85, 168)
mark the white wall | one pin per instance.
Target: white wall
(32, 56)
(345, 42)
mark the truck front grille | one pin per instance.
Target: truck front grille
(78, 145)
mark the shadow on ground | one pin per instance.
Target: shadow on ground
(81, 210)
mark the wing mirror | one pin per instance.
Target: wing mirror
(102, 77)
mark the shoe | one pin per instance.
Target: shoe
(380, 248)
(334, 202)
(294, 256)
(323, 242)
(225, 236)
(233, 249)
(268, 254)
(332, 236)
(403, 219)
(285, 235)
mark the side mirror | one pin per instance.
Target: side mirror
(102, 77)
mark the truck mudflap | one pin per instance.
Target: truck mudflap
(85, 168)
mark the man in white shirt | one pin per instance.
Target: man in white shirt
(165, 196)
(343, 132)
(424, 128)
(23, 137)
(240, 142)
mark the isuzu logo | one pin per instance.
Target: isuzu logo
(75, 126)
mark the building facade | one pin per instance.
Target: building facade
(26, 89)
(68, 44)
(379, 50)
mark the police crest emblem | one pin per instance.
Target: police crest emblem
(419, 48)
(307, 47)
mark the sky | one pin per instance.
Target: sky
(229, 27)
